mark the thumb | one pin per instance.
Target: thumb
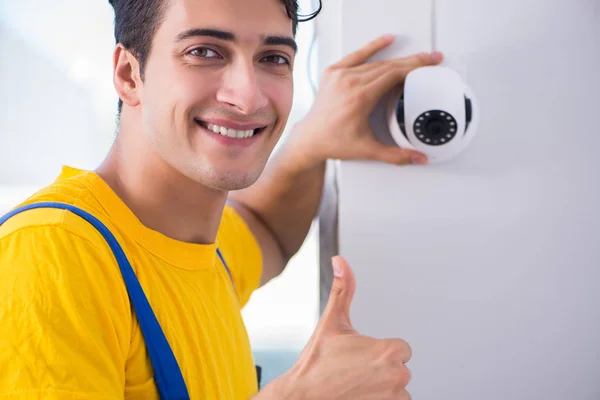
(336, 317)
(378, 151)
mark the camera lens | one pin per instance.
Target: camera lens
(435, 127)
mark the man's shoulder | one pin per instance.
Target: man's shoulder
(44, 242)
(56, 222)
(233, 227)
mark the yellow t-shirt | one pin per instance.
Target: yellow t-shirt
(67, 329)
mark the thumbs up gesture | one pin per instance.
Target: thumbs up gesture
(340, 363)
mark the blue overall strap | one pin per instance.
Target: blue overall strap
(168, 377)
(227, 269)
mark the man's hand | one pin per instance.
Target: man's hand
(338, 362)
(338, 126)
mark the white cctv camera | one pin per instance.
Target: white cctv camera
(435, 113)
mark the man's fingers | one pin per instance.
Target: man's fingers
(406, 63)
(398, 350)
(385, 75)
(383, 82)
(423, 59)
(336, 316)
(364, 53)
(377, 151)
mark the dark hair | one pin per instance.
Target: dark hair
(136, 22)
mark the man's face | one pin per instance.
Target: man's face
(218, 88)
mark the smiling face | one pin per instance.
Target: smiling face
(218, 88)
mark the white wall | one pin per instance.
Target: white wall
(46, 119)
(58, 103)
(488, 265)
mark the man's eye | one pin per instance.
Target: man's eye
(204, 52)
(275, 59)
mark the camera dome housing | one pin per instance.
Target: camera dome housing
(434, 113)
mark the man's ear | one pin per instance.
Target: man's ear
(126, 76)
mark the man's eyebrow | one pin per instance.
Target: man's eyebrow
(281, 40)
(229, 36)
(205, 32)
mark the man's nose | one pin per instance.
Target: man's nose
(240, 88)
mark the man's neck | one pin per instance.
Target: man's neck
(161, 197)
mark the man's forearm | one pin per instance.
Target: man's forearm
(287, 195)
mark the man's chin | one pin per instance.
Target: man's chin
(231, 180)
(231, 186)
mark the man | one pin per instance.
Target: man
(206, 89)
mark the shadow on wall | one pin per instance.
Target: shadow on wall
(46, 119)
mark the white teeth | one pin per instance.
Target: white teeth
(232, 133)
